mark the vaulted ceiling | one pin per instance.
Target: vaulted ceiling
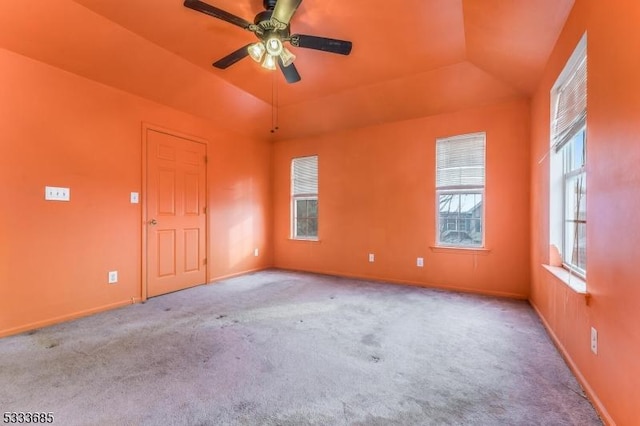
(410, 58)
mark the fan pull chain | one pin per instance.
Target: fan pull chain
(274, 103)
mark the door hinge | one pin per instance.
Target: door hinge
(205, 159)
(204, 262)
(204, 210)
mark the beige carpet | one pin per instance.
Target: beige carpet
(284, 348)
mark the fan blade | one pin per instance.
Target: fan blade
(331, 45)
(232, 58)
(284, 10)
(290, 72)
(207, 9)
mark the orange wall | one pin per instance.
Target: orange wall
(613, 202)
(59, 129)
(376, 195)
(376, 186)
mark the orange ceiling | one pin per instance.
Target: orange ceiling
(409, 58)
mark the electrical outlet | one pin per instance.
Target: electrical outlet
(372, 257)
(56, 193)
(420, 262)
(135, 198)
(256, 252)
(113, 277)
(594, 340)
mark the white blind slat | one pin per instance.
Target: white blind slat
(571, 105)
(304, 175)
(460, 161)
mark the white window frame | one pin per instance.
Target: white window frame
(563, 228)
(461, 188)
(570, 234)
(306, 192)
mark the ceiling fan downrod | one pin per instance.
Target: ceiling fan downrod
(269, 4)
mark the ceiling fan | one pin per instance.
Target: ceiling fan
(272, 27)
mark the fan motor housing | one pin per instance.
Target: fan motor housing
(263, 16)
(270, 28)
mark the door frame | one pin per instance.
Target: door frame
(146, 127)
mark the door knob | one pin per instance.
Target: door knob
(153, 222)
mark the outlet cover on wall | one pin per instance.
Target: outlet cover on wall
(594, 340)
(113, 277)
(420, 262)
(372, 257)
(256, 252)
(56, 193)
(135, 198)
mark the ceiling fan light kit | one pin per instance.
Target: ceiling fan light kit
(256, 51)
(272, 28)
(274, 46)
(269, 62)
(287, 57)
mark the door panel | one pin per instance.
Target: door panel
(191, 194)
(166, 190)
(166, 253)
(176, 227)
(191, 249)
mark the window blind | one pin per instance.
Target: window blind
(460, 162)
(304, 176)
(570, 113)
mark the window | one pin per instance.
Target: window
(460, 190)
(568, 180)
(304, 198)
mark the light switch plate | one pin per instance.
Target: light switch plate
(135, 198)
(420, 262)
(56, 193)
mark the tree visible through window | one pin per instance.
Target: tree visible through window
(304, 197)
(460, 171)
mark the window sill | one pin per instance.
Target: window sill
(308, 240)
(572, 281)
(460, 250)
